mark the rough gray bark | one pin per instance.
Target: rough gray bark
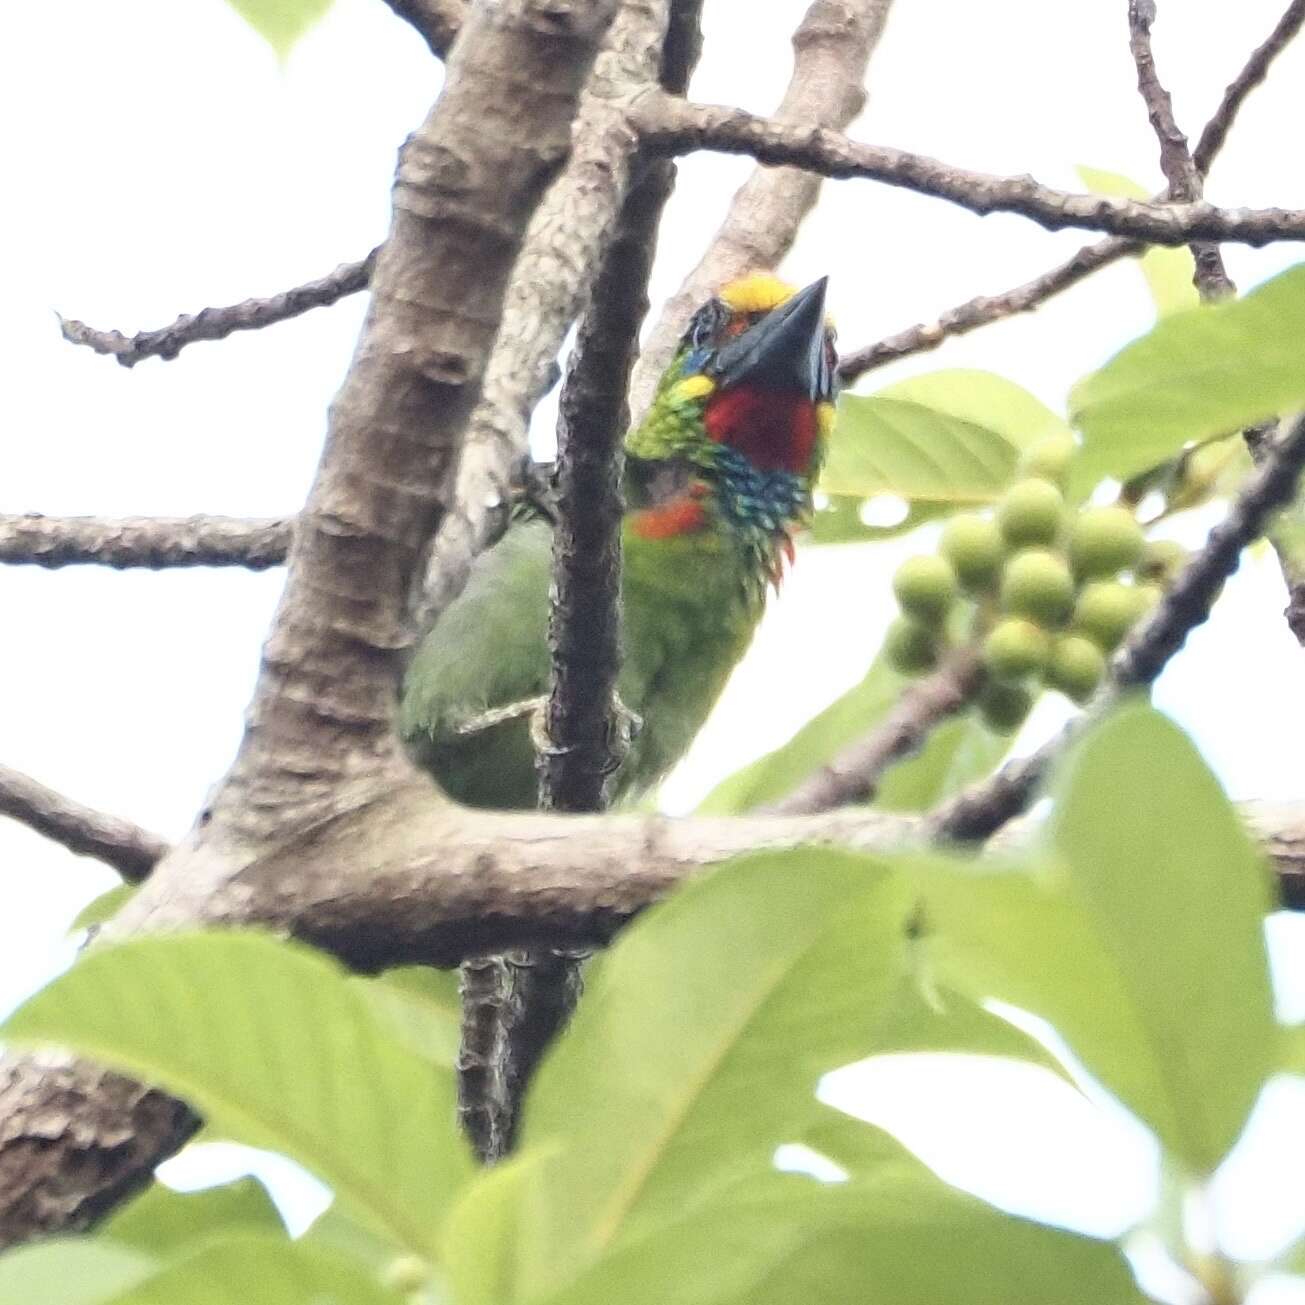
(152, 542)
(130, 850)
(681, 128)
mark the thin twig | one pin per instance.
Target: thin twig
(983, 310)
(982, 810)
(1251, 75)
(130, 850)
(1212, 281)
(151, 542)
(855, 774)
(986, 309)
(436, 21)
(217, 323)
(1176, 162)
(680, 128)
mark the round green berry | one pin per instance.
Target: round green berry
(1037, 583)
(1031, 512)
(1004, 706)
(974, 547)
(911, 647)
(1161, 561)
(1104, 541)
(926, 588)
(1148, 595)
(1076, 666)
(1106, 611)
(1016, 648)
(1049, 458)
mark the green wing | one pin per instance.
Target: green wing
(687, 622)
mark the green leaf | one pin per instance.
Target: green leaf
(1293, 1049)
(838, 521)
(903, 1237)
(422, 1007)
(161, 1221)
(891, 446)
(70, 1271)
(884, 444)
(926, 1014)
(699, 1043)
(104, 906)
(821, 739)
(1292, 1260)
(256, 1270)
(1198, 374)
(281, 22)
(274, 1044)
(338, 1230)
(959, 751)
(1177, 890)
(1018, 936)
(861, 1150)
(983, 399)
(1169, 272)
(482, 1239)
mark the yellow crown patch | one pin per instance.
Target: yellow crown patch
(758, 293)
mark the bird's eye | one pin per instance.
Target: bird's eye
(707, 321)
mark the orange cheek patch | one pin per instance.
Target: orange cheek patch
(774, 431)
(683, 516)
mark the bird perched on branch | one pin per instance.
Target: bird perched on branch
(718, 476)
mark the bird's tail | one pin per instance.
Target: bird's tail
(513, 1006)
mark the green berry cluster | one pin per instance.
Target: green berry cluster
(1056, 588)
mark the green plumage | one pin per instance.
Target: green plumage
(690, 607)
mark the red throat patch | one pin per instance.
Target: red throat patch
(775, 431)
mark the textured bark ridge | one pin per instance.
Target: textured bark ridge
(74, 1141)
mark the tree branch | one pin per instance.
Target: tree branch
(217, 323)
(437, 22)
(855, 774)
(679, 128)
(831, 51)
(549, 285)
(130, 850)
(1252, 74)
(153, 542)
(983, 310)
(986, 309)
(581, 727)
(404, 879)
(982, 810)
(469, 178)
(1176, 162)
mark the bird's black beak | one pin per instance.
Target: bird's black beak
(783, 351)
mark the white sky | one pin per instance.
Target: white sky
(165, 162)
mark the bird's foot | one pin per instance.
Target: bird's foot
(623, 728)
(488, 719)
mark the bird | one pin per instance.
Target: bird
(718, 479)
